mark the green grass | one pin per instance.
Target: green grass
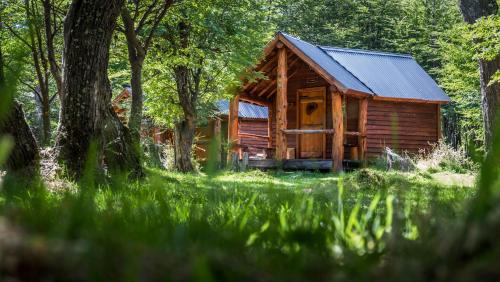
(232, 226)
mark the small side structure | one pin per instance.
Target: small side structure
(253, 128)
(331, 107)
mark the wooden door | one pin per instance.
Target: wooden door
(312, 115)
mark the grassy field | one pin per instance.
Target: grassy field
(274, 226)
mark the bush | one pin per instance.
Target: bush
(366, 178)
(444, 158)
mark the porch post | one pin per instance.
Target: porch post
(362, 120)
(270, 126)
(338, 126)
(233, 129)
(281, 104)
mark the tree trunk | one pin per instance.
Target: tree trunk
(55, 70)
(186, 127)
(184, 137)
(472, 10)
(46, 130)
(42, 101)
(136, 56)
(135, 119)
(86, 112)
(23, 159)
(40, 66)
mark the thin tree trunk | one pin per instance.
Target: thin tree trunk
(46, 130)
(87, 115)
(136, 56)
(137, 99)
(472, 10)
(55, 70)
(42, 74)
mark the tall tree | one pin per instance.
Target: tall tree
(87, 115)
(22, 162)
(52, 25)
(206, 43)
(139, 29)
(27, 27)
(472, 11)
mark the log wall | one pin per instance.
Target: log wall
(402, 126)
(253, 126)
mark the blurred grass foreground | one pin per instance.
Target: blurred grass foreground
(251, 226)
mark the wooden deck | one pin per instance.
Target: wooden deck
(301, 164)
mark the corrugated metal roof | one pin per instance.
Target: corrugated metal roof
(332, 67)
(389, 75)
(383, 74)
(245, 110)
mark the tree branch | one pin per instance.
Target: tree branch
(145, 16)
(157, 20)
(18, 36)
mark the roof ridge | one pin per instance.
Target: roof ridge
(318, 49)
(340, 64)
(364, 51)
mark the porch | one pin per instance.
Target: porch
(301, 164)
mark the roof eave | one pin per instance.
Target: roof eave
(413, 100)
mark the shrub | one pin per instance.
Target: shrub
(444, 158)
(366, 178)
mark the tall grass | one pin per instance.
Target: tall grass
(251, 226)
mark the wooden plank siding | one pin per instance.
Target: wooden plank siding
(253, 126)
(403, 126)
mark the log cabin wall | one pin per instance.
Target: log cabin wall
(257, 127)
(404, 126)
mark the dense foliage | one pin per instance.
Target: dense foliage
(224, 39)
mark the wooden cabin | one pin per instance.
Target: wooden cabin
(253, 131)
(330, 107)
(254, 134)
